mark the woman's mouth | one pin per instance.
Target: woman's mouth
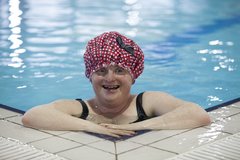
(111, 87)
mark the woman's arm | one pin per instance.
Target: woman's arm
(61, 115)
(170, 112)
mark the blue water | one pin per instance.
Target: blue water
(191, 47)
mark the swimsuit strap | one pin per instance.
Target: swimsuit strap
(84, 109)
(140, 111)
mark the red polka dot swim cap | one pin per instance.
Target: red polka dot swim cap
(112, 48)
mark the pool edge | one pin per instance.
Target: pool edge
(227, 103)
(11, 109)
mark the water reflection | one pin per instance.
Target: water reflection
(220, 117)
(41, 75)
(211, 134)
(215, 42)
(45, 40)
(214, 98)
(15, 36)
(133, 16)
(218, 56)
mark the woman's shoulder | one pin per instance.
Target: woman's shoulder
(70, 106)
(70, 103)
(157, 102)
(151, 97)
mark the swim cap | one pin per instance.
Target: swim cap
(112, 48)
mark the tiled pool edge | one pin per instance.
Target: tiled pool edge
(137, 133)
(128, 153)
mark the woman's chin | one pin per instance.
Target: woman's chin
(110, 94)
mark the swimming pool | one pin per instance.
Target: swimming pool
(191, 47)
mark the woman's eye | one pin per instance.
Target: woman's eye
(101, 71)
(120, 71)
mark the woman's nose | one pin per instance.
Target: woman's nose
(110, 76)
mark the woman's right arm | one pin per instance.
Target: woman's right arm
(63, 115)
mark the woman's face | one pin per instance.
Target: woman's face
(112, 83)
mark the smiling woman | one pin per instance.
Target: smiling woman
(113, 63)
(112, 86)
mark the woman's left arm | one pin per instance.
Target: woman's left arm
(170, 112)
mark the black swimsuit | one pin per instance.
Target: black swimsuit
(140, 111)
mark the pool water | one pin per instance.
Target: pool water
(191, 47)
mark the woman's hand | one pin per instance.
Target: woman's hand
(128, 127)
(114, 132)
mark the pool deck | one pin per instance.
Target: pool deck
(152, 145)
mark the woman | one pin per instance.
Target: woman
(113, 63)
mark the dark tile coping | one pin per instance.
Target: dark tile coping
(223, 104)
